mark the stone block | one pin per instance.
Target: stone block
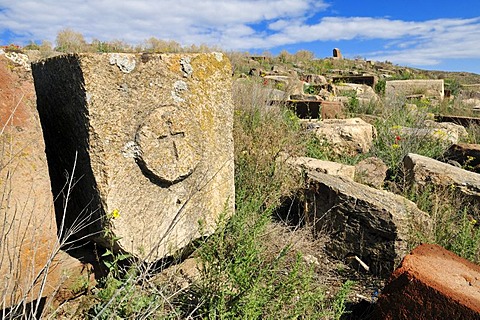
(346, 136)
(328, 167)
(431, 283)
(150, 136)
(423, 171)
(402, 88)
(363, 222)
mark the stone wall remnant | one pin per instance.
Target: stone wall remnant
(403, 88)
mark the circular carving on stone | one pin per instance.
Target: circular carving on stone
(169, 143)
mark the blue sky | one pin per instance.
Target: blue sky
(440, 35)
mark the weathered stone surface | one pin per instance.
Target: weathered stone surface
(332, 110)
(29, 249)
(450, 131)
(467, 155)
(425, 171)
(328, 167)
(445, 132)
(371, 171)
(402, 88)
(431, 283)
(315, 79)
(154, 142)
(372, 224)
(346, 136)
(364, 93)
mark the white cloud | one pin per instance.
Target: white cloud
(241, 25)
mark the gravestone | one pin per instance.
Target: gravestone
(151, 139)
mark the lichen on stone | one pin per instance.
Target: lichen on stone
(186, 67)
(126, 62)
(178, 87)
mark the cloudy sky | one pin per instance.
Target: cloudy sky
(430, 34)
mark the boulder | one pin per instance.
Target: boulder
(423, 171)
(328, 167)
(364, 223)
(346, 136)
(447, 131)
(371, 171)
(150, 137)
(364, 93)
(29, 247)
(431, 283)
(315, 79)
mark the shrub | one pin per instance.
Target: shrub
(70, 41)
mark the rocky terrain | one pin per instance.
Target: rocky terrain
(295, 192)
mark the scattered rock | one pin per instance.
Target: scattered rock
(346, 136)
(315, 79)
(328, 167)
(371, 224)
(448, 130)
(150, 164)
(431, 283)
(423, 171)
(371, 171)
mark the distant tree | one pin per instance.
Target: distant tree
(303, 56)
(158, 45)
(70, 41)
(45, 46)
(32, 46)
(284, 56)
(110, 46)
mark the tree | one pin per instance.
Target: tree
(70, 41)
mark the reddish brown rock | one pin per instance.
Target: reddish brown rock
(29, 248)
(332, 110)
(432, 283)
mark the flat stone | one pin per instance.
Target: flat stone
(328, 167)
(431, 283)
(153, 138)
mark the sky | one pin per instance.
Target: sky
(427, 34)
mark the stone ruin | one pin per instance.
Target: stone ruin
(337, 54)
(148, 141)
